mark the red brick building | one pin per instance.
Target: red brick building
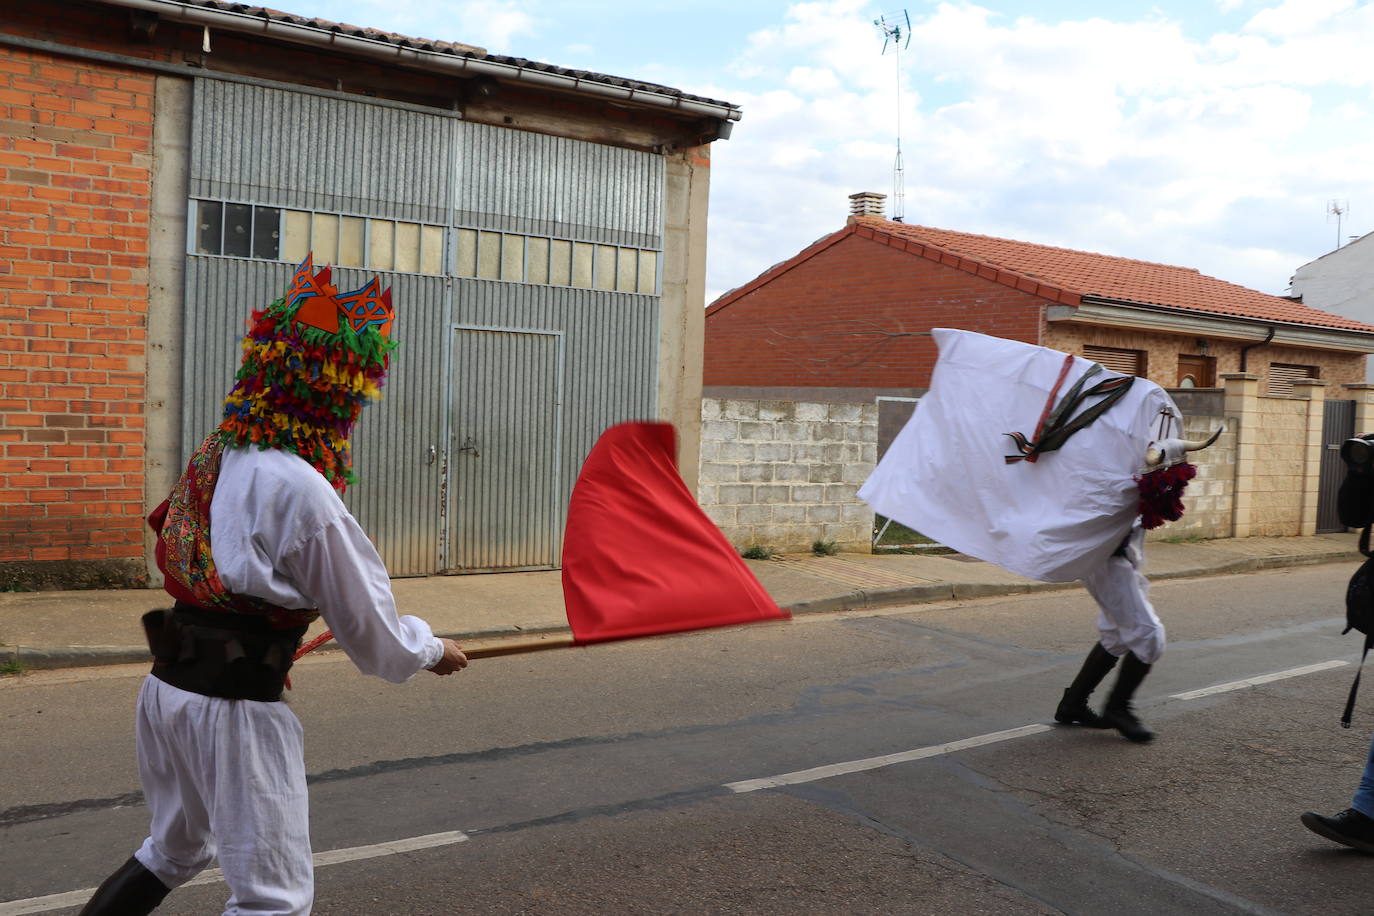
(850, 311)
(164, 164)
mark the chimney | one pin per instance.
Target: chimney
(866, 203)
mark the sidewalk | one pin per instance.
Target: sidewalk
(72, 629)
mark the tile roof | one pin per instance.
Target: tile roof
(446, 47)
(1083, 273)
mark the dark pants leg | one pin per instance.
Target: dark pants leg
(1073, 708)
(1119, 714)
(131, 891)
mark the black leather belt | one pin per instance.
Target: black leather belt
(220, 654)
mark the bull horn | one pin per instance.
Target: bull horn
(1193, 445)
(1155, 457)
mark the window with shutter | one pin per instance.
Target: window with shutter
(1127, 362)
(1283, 375)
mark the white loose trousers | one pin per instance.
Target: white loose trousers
(1126, 620)
(226, 778)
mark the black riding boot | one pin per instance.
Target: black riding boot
(1119, 714)
(1073, 708)
(131, 891)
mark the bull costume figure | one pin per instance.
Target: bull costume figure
(1128, 628)
(1066, 497)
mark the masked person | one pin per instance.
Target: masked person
(255, 543)
(1072, 502)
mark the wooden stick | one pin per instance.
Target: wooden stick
(493, 651)
(517, 648)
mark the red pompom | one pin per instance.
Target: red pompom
(1161, 494)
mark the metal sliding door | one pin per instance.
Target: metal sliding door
(507, 407)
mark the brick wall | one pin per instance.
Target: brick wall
(75, 160)
(850, 316)
(785, 474)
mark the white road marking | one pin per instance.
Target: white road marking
(212, 875)
(1256, 681)
(873, 763)
(395, 847)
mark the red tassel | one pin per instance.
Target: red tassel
(1161, 494)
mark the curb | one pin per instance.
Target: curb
(49, 657)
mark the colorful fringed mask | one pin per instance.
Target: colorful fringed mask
(311, 360)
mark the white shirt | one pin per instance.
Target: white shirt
(279, 531)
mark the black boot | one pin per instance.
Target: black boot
(131, 891)
(1119, 714)
(1073, 708)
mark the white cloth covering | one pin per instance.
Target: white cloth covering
(227, 777)
(1057, 519)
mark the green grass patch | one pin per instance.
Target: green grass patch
(757, 552)
(11, 667)
(897, 534)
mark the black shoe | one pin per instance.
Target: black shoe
(1073, 711)
(1349, 828)
(1122, 718)
(130, 891)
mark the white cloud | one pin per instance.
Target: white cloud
(1134, 138)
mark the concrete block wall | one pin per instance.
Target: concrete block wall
(1207, 500)
(785, 474)
(1278, 455)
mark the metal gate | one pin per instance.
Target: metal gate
(1338, 424)
(504, 451)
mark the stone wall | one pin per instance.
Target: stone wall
(786, 474)
(1208, 499)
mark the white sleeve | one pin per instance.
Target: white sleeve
(339, 569)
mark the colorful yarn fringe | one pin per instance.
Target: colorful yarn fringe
(300, 389)
(1161, 494)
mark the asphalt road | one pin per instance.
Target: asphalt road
(641, 777)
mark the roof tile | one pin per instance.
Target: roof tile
(1110, 277)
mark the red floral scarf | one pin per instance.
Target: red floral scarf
(182, 523)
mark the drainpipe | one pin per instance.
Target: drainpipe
(1245, 351)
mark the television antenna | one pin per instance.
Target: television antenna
(896, 32)
(1338, 209)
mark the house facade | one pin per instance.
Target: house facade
(847, 320)
(1340, 282)
(164, 164)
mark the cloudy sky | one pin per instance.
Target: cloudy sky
(1206, 133)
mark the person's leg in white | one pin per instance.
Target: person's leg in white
(259, 810)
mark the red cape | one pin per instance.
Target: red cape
(639, 555)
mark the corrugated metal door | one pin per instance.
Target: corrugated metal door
(504, 455)
(1338, 424)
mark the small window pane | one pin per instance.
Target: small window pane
(605, 267)
(295, 243)
(489, 255)
(648, 272)
(513, 258)
(238, 230)
(581, 264)
(351, 241)
(626, 263)
(537, 260)
(209, 226)
(408, 247)
(266, 232)
(381, 244)
(560, 263)
(432, 249)
(324, 238)
(465, 243)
